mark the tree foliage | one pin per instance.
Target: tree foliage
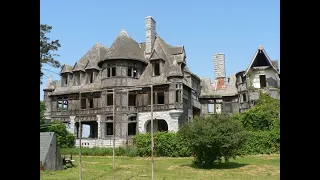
(64, 137)
(212, 138)
(264, 116)
(47, 48)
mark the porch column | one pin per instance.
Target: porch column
(101, 126)
(73, 129)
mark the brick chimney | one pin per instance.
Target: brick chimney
(219, 70)
(150, 34)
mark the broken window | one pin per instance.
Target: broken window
(113, 69)
(62, 104)
(244, 97)
(132, 128)
(178, 95)
(77, 78)
(160, 97)
(263, 83)
(132, 100)
(129, 73)
(64, 80)
(90, 77)
(156, 69)
(83, 104)
(90, 102)
(109, 129)
(135, 72)
(108, 72)
(109, 99)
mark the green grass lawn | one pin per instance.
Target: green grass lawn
(258, 167)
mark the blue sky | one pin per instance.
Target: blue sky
(233, 27)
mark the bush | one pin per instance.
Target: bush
(212, 138)
(96, 151)
(165, 144)
(262, 142)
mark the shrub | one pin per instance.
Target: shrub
(64, 137)
(212, 138)
(97, 151)
(165, 144)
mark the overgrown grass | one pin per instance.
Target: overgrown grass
(262, 167)
(98, 151)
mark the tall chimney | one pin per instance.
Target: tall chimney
(219, 70)
(150, 34)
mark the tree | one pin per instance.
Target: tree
(46, 49)
(64, 138)
(264, 116)
(212, 138)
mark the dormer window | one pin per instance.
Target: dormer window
(77, 78)
(90, 77)
(111, 71)
(132, 72)
(64, 80)
(156, 68)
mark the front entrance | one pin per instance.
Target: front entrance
(158, 125)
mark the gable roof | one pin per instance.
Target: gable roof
(66, 69)
(91, 58)
(124, 47)
(254, 59)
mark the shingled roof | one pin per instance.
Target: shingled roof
(91, 59)
(208, 88)
(66, 69)
(124, 47)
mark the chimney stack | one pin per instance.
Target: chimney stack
(219, 70)
(150, 34)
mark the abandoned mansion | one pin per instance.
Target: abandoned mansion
(111, 89)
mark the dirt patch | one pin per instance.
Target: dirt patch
(255, 169)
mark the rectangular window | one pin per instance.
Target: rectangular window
(156, 69)
(178, 95)
(109, 99)
(83, 103)
(90, 77)
(109, 130)
(108, 72)
(132, 128)
(135, 72)
(160, 97)
(263, 82)
(132, 100)
(62, 105)
(244, 96)
(77, 79)
(129, 73)
(90, 103)
(114, 71)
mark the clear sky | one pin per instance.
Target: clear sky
(204, 27)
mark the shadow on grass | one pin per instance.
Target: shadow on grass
(229, 165)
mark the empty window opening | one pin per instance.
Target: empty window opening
(135, 72)
(132, 100)
(132, 127)
(178, 95)
(109, 118)
(162, 125)
(210, 108)
(129, 73)
(156, 69)
(109, 99)
(90, 77)
(113, 71)
(83, 104)
(263, 83)
(77, 79)
(160, 97)
(244, 96)
(90, 102)
(108, 72)
(109, 128)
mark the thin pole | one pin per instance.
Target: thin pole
(152, 143)
(80, 136)
(113, 129)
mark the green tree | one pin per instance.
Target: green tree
(46, 49)
(264, 116)
(212, 138)
(64, 137)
